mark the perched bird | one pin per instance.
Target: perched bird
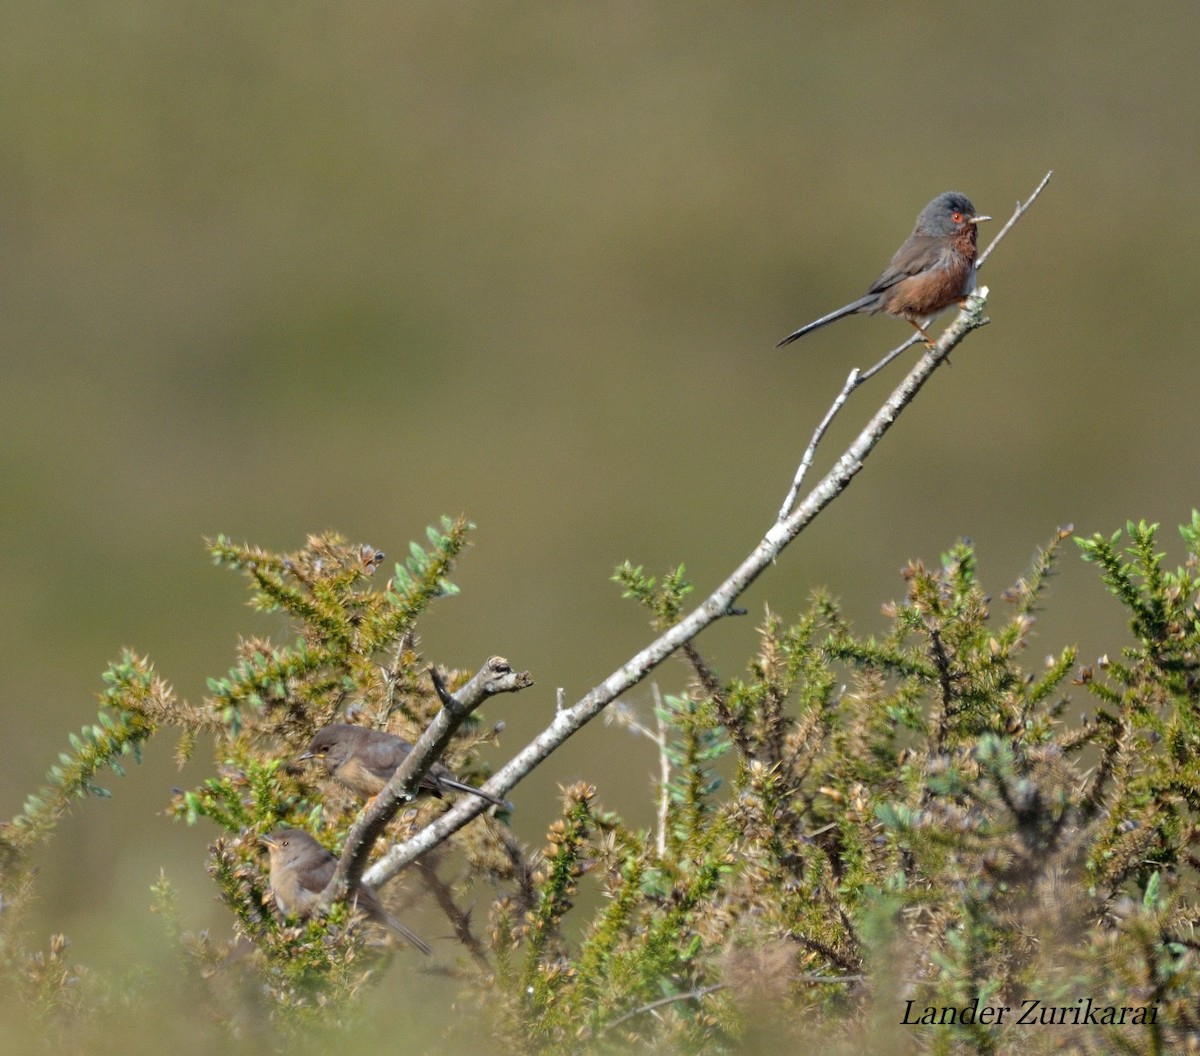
(934, 269)
(300, 869)
(364, 760)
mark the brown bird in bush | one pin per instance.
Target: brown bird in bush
(300, 870)
(364, 760)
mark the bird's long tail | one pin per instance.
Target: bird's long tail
(408, 935)
(852, 308)
(460, 786)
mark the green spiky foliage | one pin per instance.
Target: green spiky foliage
(855, 831)
(910, 817)
(45, 976)
(1147, 707)
(349, 644)
(355, 649)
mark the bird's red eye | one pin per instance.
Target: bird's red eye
(957, 217)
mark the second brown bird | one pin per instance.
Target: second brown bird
(364, 760)
(300, 869)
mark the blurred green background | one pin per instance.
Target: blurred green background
(274, 268)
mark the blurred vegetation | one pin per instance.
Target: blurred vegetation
(914, 821)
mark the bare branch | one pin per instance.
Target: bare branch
(460, 919)
(522, 867)
(567, 720)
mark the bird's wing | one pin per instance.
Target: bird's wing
(382, 753)
(919, 254)
(317, 874)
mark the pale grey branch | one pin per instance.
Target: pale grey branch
(567, 720)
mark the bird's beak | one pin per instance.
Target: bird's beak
(267, 841)
(978, 219)
(306, 755)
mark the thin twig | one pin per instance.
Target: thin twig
(623, 715)
(857, 377)
(460, 919)
(852, 382)
(870, 372)
(711, 685)
(941, 661)
(806, 977)
(525, 895)
(703, 991)
(650, 1006)
(1013, 219)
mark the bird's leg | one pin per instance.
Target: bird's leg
(921, 330)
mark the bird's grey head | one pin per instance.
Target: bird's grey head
(331, 746)
(948, 214)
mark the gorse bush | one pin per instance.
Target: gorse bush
(900, 843)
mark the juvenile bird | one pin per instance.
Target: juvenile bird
(364, 760)
(300, 869)
(934, 269)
